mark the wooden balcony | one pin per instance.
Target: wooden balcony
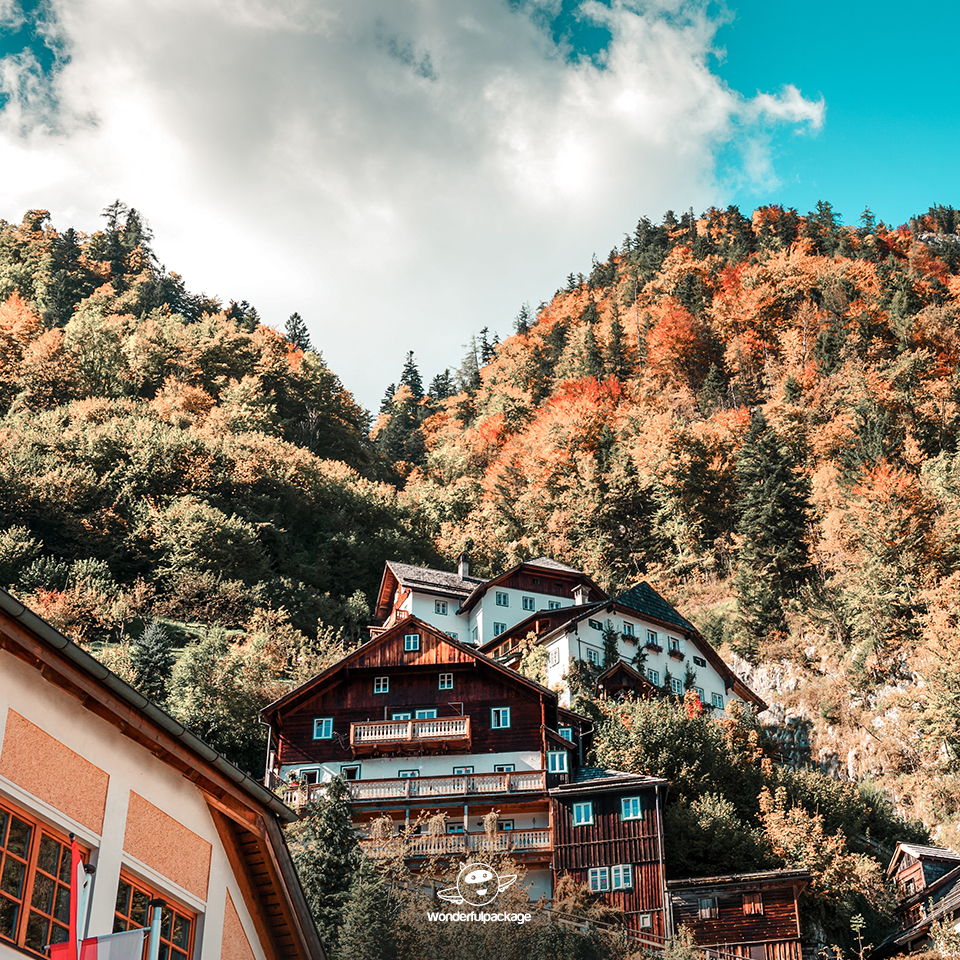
(456, 844)
(394, 736)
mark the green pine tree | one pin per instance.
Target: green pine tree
(611, 645)
(152, 659)
(297, 333)
(368, 923)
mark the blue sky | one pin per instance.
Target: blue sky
(406, 172)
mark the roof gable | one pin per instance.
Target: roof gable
(645, 601)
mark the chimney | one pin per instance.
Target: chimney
(463, 565)
(580, 594)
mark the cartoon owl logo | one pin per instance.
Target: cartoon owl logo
(477, 884)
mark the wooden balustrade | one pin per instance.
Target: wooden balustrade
(382, 735)
(447, 844)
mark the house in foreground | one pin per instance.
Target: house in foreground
(156, 812)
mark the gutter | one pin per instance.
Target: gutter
(148, 708)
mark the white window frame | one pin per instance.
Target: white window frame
(566, 733)
(499, 628)
(593, 656)
(631, 808)
(583, 813)
(502, 598)
(699, 692)
(646, 921)
(653, 676)
(621, 876)
(345, 769)
(381, 684)
(451, 634)
(529, 604)
(557, 761)
(446, 681)
(598, 879)
(554, 604)
(475, 634)
(405, 774)
(504, 767)
(716, 700)
(674, 644)
(554, 656)
(398, 716)
(499, 718)
(325, 727)
(440, 607)
(426, 714)
(676, 686)
(628, 630)
(652, 637)
(411, 641)
(462, 771)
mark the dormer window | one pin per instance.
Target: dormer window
(411, 641)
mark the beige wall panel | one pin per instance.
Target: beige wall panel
(42, 765)
(236, 946)
(167, 846)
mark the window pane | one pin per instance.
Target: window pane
(181, 932)
(9, 912)
(19, 838)
(165, 923)
(37, 930)
(49, 857)
(138, 908)
(62, 910)
(43, 893)
(123, 898)
(12, 880)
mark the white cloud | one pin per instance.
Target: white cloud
(401, 173)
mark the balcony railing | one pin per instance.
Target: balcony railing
(384, 734)
(416, 788)
(452, 844)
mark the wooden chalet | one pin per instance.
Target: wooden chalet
(928, 885)
(157, 813)
(749, 915)
(608, 834)
(621, 680)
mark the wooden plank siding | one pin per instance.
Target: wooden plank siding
(610, 841)
(347, 695)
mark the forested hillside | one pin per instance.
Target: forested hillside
(760, 416)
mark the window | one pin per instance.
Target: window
(707, 908)
(408, 773)
(593, 656)
(699, 692)
(717, 700)
(505, 825)
(582, 813)
(699, 661)
(674, 644)
(504, 768)
(499, 628)
(596, 624)
(631, 808)
(529, 603)
(381, 684)
(566, 733)
(676, 686)
(653, 676)
(451, 634)
(910, 888)
(309, 776)
(425, 714)
(652, 637)
(622, 876)
(554, 656)
(752, 903)
(323, 728)
(350, 771)
(556, 761)
(401, 715)
(411, 641)
(475, 634)
(462, 771)
(599, 879)
(646, 921)
(446, 681)
(628, 629)
(35, 885)
(454, 828)
(503, 599)
(553, 604)
(499, 718)
(176, 924)
(440, 606)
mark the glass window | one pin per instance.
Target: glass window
(499, 628)
(446, 681)
(401, 715)
(707, 908)
(176, 924)
(699, 692)
(676, 686)
(462, 771)
(440, 606)
(505, 825)
(408, 773)
(499, 717)
(646, 921)
(503, 599)
(582, 813)
(674, 644)
(475, 634)
(451, 634)
(381, 684)
(627, 629)
(699, 661)
(425, 714)
(631, 808)
(529, 603)
(556, 761)
(553, 604)
(566, 733)
(411, 641)
(596, 624)
(599, 879)
(504, 768)
(351, 771)
(717, 700)
(622, 876)
(653, 676)
(752, 903)
(593, 656)
(323, 728)
(554, 656)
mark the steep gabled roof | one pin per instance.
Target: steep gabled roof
(541, 563)
(920, 853)
(645, 601)
(244, 812)
(403, 626)
(442, 582)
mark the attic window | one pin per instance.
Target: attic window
(411, 641)
(752, 903)
(699, 661)
(707, 908)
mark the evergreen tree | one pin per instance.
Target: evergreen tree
(592, 365)
(522, 322)
(611, 645)
(442, 386)
(368, 928)
(411, 376)
(327, 857)
(296, 331)
(152, 659)
(773, 511)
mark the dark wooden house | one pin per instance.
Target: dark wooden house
(749, 915)
(608, 834)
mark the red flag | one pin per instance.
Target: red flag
(76, 889)
(114, 946)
